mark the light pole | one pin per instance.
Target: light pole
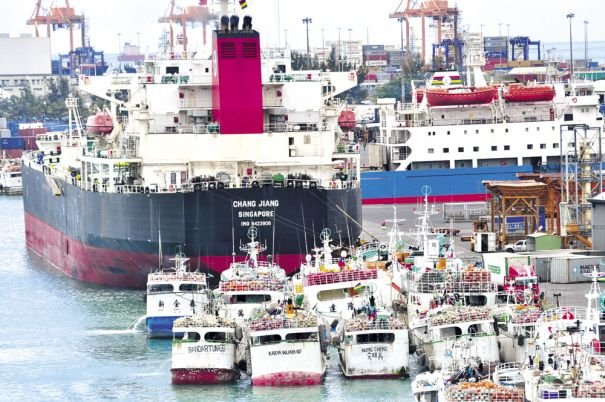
(349, 47)
(339, 66)
(323, 47)
(570, 16)
(286, 38)
(586, 43)
(307, 21)
(507, 39)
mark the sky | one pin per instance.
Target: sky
(113, 22)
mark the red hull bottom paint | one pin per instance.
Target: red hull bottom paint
(432, 199)
(292, 378)
(202, 376)
(110, 267)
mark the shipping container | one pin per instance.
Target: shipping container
(5, 133)
(29, 143)
(32, 132)
(572, 269)
(11, 153)
(541, 262)
(14, 128)
(30, 125)
(3, 123)
(11, 143)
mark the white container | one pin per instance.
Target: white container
(5, 133)
(2, 123)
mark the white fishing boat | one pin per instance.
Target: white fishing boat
(249, 288)
(568, 361)
(337, 287)
(443, 329)
(205, 352)
(377, 348)
(10, 178)
(516, 331)
(286, 350)
(173, 293)
(460, 366)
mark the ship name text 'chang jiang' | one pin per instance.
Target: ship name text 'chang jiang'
(202, 146)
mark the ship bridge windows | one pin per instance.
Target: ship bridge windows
(475, 300)
(460, 149)
(301, 336)
(160, 288)
(475, 149)
(218, 336)
(450, 332)
(530, 146)
(381, 337)
(555, 145)
(568, 117)
(507, 147)
(172, 70)
(191, 287)
(431, 150)
(446, 150)
(266, 339)
(191, 337)
(494, 147)
(249, 298)
(542, 146)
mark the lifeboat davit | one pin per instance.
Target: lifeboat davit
(347, 120)
(460, 96)
(419, 95)
(99, 123)
(522, 93)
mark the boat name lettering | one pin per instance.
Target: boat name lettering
(587, 269)
(254, 204)
(375, 352)
(285, 352)
(255, 214)
(207, 348)
(256, 223)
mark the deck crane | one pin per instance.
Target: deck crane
(197, 13)
(438, 10)
(57, 17)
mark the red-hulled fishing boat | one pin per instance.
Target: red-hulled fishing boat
(523, 93)
(460, 96)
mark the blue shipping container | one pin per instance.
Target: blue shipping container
(13, 127)
(12, 143)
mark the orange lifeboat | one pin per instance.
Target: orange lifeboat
(460, 96)
(99, 123)
(347, 120)
(523, 93)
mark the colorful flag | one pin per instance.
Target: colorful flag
(243, 4)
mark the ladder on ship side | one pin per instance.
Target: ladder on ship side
(54, 186)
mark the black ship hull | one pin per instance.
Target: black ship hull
(113, 239)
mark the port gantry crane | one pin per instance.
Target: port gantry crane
(198, 13)
(438, 10)
(57, 17)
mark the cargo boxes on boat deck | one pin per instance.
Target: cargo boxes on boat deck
(572, 268)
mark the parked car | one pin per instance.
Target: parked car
(521, 245)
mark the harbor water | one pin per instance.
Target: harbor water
(61, 339)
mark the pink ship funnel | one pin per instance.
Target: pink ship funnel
(237, 93)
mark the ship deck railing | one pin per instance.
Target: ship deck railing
(324, 278)
(212, 185)
(176, 276)
(388, 324)
(251, 285)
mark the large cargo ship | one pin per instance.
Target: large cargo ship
(203, 146)
(455, 144)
